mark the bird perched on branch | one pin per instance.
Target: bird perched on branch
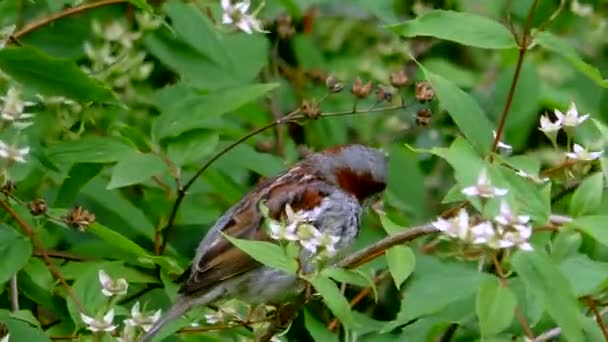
(328, 189)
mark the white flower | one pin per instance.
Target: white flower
(139, 320)
(548, 126)
(457, 227)
(484, 187)
(5, 34)
(105, 324)
(222, 315)
(128, 334)
(518, 236)
(483, 233)
(148, 21)
(13, 154)
(580, 153)
(571, 118)
(501, 145)
(5, 338)
(237, 15)
(111, 287)
(507, 217)
(582, 10)
(13, 107)
(535, 179)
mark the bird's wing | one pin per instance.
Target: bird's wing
(221, 260)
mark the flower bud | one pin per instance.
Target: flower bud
(333, 85)
(399, 79)
(37, 207)
(423, 117)
(361, 90)
(384, 93)
(310, 109)
(424, 91)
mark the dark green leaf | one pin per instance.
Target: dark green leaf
(192, 147)
(317, 329)
(116, 239)
(495, 307)
(588, 196)
(89, 150)
(21, 330)
(267, 253)
(557, 45)
(464, 110)
(464, 28)
(404, 161)
(543, 278)
(586, 276)
(401, 263)
(51, 76)
(334, 300)
(354, 277)
(135, 168)
(79, 175)
(15, 251)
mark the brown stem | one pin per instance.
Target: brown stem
(40, 249)
(598, 316)
(14, 293)
(62, 255)
(520, 316)
(65, 13)
(523, 48)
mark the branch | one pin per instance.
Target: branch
(597, 316)
(40, 249)
(65, 13)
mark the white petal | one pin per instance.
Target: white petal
(463, 218)
(470, 191)
(226, 5)
(560, 116)
(572, 155)
(104, 278)
(441, 224)
(135, 310)
(500, 191)
(578, 148)
(583, 118)
(156, 315)
(244, 25)
(106, 292)
(87, 319)
(110, 328)
(109, 317)
(526, 246)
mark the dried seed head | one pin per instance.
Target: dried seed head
(8, 187)
(37, 207)
(79, 218)
(285, 28)
(317, 76)
(399, 79)
(423, 117)
(361, 90)
(384, 94)
(424, 91)
(310, 109)
(333, 85)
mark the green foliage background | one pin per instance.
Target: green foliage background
(130, 133)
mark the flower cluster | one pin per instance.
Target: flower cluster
(115, 287)
(298, 228)
(505, 231)
(236, 14)
(13, 117)
(568, 122)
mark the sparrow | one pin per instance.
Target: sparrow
(328, 188)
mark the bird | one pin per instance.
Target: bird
(330, 188)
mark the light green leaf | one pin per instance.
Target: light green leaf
(88, 291)
(142, 4)
(135, 168)
(334, 300)
(401, 263)
(192, 147)
(594, 226)
(354, 277)
(15, 251)
(51, 76)
(557, 45)
(404, 161)
(317, 329)
(460, 27)
(194, 111)
(116, 239)
(89, 150)
(547, 282)
(389, 226)
(588, 196)
(267, 253)
(464, 110)
(21, 330)
(78, 176)
(586, 276)
(495, 307)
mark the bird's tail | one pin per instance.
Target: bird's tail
(180, 307)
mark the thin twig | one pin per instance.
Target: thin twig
(523, 48)
(598, 316)
(62, 255)
(520, 316)
(555, 332)
(14, 293)
(65, 13)
(40, 249)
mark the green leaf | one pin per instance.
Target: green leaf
(116, 239)
(460, 27)
(267, 253)
(335, 301)
(194, 111)
(389, 226)
(21, 330)
(594, 226)
(557, 45)
(192, 147)
(547, 282)
(246, 157)
(135, 168)
(89, 150)
(464, 110)
(142, 4)
(51, 76)
(354, 277)
(588, 196)
(495, 307)
(586, 276)
(317, 329)
(87, 290)
(404, 161)
(15, 251)
(78, 176)
(401, 263)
